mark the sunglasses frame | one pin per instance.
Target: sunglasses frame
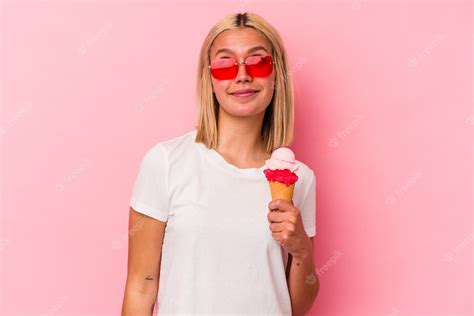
(273, 62)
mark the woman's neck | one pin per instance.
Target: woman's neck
(240, 140)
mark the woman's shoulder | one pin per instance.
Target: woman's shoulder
(164, 152)
(172, 145)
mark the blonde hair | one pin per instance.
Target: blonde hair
(277, 127)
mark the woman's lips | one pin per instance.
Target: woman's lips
(244, 94)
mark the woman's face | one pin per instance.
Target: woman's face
(240, 44)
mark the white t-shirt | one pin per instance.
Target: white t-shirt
(218, 254)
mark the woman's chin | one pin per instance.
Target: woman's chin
(248, 109)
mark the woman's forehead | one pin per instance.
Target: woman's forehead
(240, 41)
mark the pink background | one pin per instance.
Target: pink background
(383, 116)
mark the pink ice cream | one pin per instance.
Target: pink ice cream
(281, 166)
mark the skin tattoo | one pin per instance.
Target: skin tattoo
(149, 278)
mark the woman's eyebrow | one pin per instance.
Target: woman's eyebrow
(253, 49)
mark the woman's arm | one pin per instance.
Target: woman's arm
(303, 282)
(144, 261)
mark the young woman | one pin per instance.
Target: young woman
(205, 236)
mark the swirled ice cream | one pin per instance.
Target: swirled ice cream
(280, 172)
(281, 166)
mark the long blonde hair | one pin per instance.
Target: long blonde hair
(277, 128)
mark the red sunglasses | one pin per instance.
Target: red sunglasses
(227, 68)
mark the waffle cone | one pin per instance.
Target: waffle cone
(281, 191)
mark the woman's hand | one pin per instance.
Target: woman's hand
(287, 228)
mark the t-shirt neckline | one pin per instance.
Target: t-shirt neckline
(213, 155)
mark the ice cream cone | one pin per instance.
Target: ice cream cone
(280, 173)
(281, 191)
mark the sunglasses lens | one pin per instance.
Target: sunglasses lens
(256, 66)
(259, 66)
(224, 68)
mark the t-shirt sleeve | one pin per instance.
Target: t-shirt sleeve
(308, 207)
(150, 191)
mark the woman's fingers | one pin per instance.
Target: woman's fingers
(277, 227)
(280, 204)
(276, 216)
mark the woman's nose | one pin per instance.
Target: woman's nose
(242, 75)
